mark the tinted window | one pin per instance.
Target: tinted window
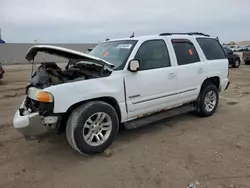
(185, 52)
(211, 48)
(115, 52)
(153, 54)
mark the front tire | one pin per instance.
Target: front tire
(236, 63)
(207, 101)
(92, 127)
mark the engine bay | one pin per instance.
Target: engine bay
(49, 73)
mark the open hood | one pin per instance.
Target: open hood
(65, 53)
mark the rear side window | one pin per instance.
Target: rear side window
(211, 48)
(185, 51)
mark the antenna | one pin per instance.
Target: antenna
(133, 35)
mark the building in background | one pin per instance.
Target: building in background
(1, 40)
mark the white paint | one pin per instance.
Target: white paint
(22, 121)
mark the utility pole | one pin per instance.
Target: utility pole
(0, 33)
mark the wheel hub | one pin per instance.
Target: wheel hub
(210, 101)
(97, 129)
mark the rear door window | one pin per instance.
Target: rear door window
(185, 51)
(211, 48)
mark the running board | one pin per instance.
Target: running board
(159, 116)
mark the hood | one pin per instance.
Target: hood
(65, 53)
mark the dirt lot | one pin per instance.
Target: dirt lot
(173, 153)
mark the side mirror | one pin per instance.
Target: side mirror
(134, 65)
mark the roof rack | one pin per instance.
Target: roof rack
(190, 33)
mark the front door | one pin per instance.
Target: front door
(154, 86)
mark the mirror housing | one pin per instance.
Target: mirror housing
(134, 65)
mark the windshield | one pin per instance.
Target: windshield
(115, 52)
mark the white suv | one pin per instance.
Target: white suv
(133, 81)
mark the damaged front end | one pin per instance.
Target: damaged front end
(35, 118)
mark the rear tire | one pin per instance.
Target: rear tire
(207, 101)
(92, 127)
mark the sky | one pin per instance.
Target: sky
(82, 21)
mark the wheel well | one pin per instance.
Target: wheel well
(212, 80)
(110, 100)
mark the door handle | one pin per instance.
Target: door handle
(171, 76)
(200, 70)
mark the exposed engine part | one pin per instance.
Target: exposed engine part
(48, 73)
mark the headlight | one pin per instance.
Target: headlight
(44, 96)
(39, 95)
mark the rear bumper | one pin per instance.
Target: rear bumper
(224, 84)
(228, 83)
(33, 126)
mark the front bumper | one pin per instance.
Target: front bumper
(33, 126)
(30, 126)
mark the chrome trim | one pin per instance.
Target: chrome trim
(187, 91)
(146, 100)
(134, 96)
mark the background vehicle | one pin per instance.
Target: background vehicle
(134, 81)
(234, 59)
(246, 57)
(1, 71)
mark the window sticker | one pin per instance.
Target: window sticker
(190, 52)
(126, 46)
(106, 54)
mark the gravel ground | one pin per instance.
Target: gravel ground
(172, 153)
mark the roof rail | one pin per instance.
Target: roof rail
(190, 33)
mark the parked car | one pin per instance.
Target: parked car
(132, 81)
(243, 48)
(246, 57)
(1, 71)
(234, 59)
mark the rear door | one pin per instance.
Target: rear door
(189, 69)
